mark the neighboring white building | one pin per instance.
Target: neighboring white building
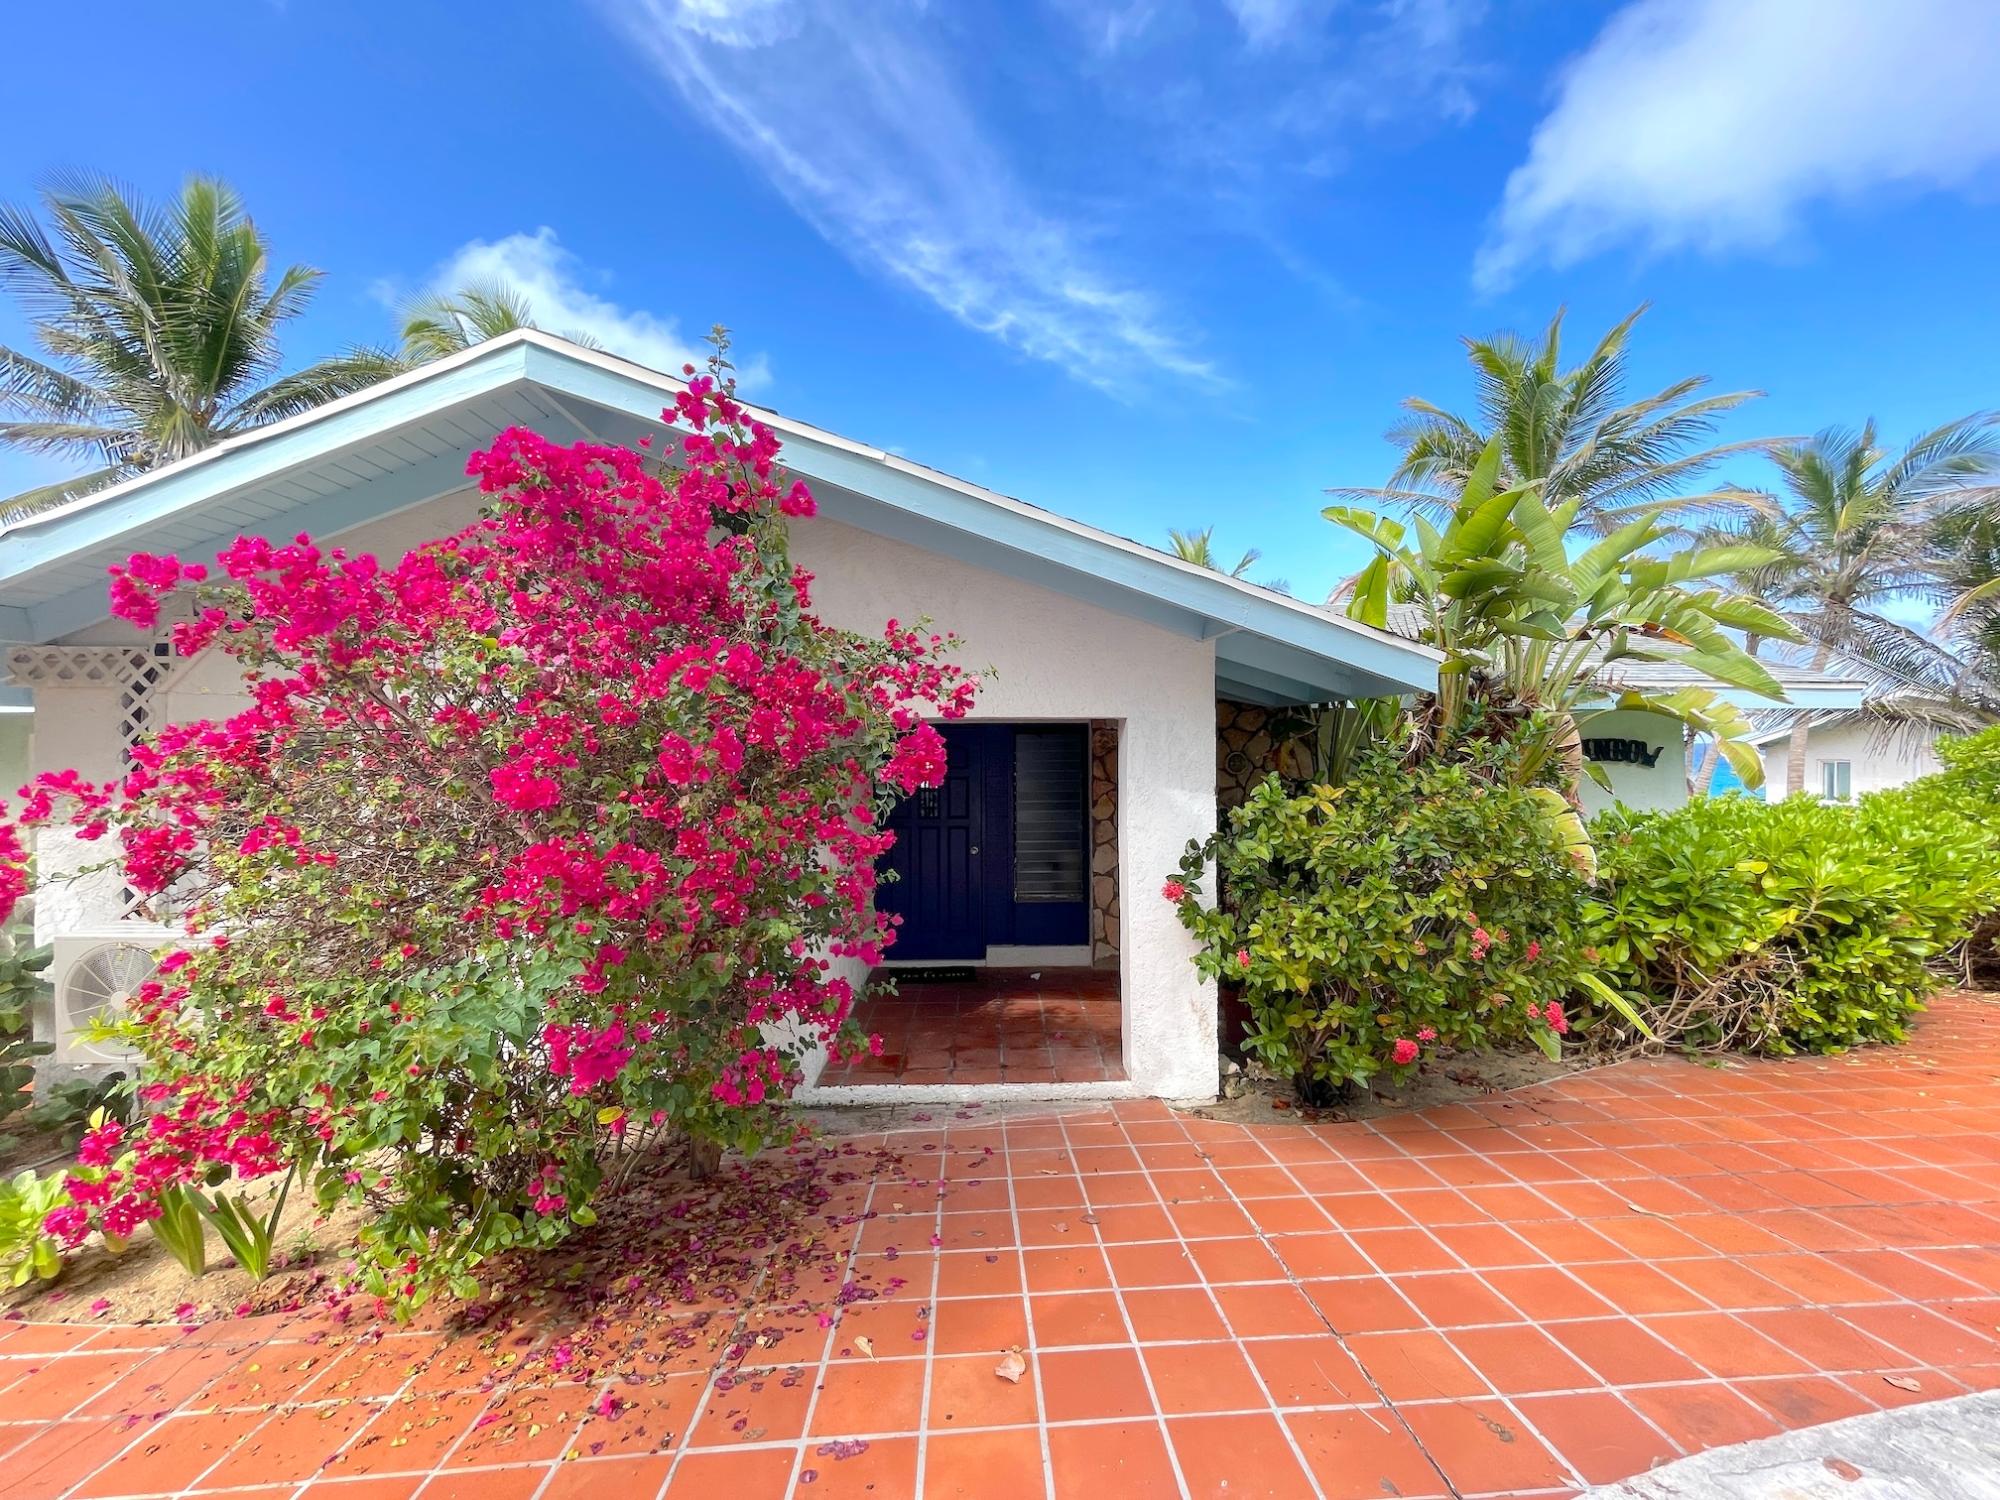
(1107, 659)
(1613, 737)
(1847, 755)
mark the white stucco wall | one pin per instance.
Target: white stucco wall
(1042, 656)
(1878, 761)
(1643, 788)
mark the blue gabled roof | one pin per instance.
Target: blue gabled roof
(404, 443)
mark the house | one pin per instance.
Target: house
(1031, 879)
(1847, 754)
(1644, 754)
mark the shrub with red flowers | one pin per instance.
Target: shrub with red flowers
(1413, 905)
(533, 846)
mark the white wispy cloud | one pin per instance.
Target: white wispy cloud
(558, 289)
(1267, 22)
(1108, 27)
(850, 113)
(1712, 125)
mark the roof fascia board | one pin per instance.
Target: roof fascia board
(142, 504)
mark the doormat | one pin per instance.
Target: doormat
(933, 974)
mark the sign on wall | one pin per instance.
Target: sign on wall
(1622, 752)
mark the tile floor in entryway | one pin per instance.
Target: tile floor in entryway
(1553, 1287)
(1055, 1025)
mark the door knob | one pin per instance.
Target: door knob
(974, 849)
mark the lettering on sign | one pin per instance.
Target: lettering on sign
(1623, 752)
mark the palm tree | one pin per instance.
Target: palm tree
(1787, 550)
(1573, 430)
(1946, 676)
(159, 327)
(1198, 547)
(1865, 528)
(1530, 630)
(442, 323)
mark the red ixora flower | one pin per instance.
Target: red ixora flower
(1242, 958)
(1404, 1052)
(1173, 890)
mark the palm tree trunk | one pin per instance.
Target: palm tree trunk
(1795, 765)
(1751, 645)
(1707, 781)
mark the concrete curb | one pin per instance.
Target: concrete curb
(1942, 1450)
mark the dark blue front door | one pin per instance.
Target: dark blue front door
(1000, 853)
(938, 890)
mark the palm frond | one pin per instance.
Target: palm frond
(302, 390)
(1571, 428)
(30, 503)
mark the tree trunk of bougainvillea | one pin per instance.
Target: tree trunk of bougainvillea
(704, 1157)
(549, 835)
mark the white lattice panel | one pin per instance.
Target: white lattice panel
(78, 666)
(134, 674)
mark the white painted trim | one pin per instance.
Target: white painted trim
(967, 1093)
(1025, 956)
(260, 435)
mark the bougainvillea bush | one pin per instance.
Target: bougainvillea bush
(1412, 906)
(534, 845)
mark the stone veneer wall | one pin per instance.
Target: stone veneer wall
(1103, 841)
(1245, 753)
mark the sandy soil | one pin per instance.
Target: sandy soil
(1449, 1079)
(147, 1285)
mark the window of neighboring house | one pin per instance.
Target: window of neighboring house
(1836, 778)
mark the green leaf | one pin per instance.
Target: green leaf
(1604, 992)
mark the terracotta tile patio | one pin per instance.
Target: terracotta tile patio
(1554, 1287)
(1057, 1025)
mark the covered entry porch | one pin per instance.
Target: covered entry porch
(1004, 884)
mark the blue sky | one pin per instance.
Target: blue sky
(1148, 262)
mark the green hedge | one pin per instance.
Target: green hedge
(1792, 925)
(1411, 907)
(1965, 795)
